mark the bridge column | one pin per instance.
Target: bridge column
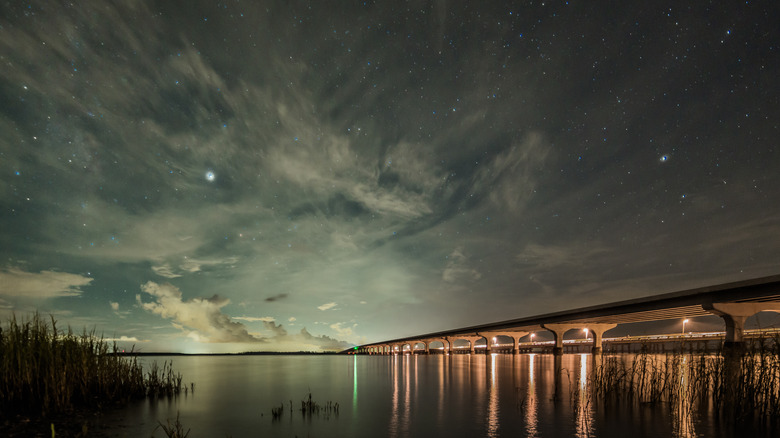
(734, 315)
(598, 330)
(449, 347)
(488, 338)
(427, 346)
(473, 341)
(558, 331)
(514, 335)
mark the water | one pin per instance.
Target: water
(402, 396)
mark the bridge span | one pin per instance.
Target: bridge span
(733, 302)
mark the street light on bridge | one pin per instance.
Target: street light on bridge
(685, 321)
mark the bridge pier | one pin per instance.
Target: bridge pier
(450, 345)
(558, 331)
(734, 315)
(472, 341)
(598, 331)
(514, 335)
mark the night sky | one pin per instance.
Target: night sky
(234, 176)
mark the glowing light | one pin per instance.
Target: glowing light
(664, 158)
(210, 176)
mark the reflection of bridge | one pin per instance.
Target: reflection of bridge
(734, 302)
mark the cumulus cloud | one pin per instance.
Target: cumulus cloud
(276, 329)
(114, 306)
(327, 306)
(45, 284)
(201, 317)
(325, 343)
(303, 340)
(343, 331)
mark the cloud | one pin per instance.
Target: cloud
(114, 306)
(327, 306)
(190, 265)
(202, 316)
(125, 339)
(303, 340)
(276, 297)
(343, 331)
(511, 178)
(457, 270)
(292, 319)
(255, 319)
(325, 343)
(45, 284)
(276, 329)
(165, 271)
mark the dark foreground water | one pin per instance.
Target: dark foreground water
(403, 396)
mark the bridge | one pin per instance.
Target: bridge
(733, 302)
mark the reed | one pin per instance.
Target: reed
(739, 385)
(309, 408)
(174, 429)
(45, 371)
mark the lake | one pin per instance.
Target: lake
(534, 395)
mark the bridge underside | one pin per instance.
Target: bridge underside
(734, 302)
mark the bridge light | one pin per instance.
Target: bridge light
(685, 321)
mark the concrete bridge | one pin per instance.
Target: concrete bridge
(733, 302)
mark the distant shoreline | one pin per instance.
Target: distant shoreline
(249, 353)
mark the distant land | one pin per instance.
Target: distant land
(247, 353)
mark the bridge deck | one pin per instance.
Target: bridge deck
(682, 304)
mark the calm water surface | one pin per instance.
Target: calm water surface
(401, 396)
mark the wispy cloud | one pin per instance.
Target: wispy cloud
(45, 284)
(457, 269)
(125, 339)
(255, 318)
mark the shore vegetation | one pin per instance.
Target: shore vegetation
(46, 372)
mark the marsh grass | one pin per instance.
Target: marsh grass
(742, 385)
(174, 429)
(45, 371)
(309, 408)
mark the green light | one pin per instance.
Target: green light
(356, 348)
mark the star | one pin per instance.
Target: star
(210, 176)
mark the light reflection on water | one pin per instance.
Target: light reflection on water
(497, 395)
(530, 403)
(493, 412)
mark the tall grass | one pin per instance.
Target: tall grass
(46, 371)
(742, 385)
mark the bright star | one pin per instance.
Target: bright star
(210, 176)
(664, 158)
